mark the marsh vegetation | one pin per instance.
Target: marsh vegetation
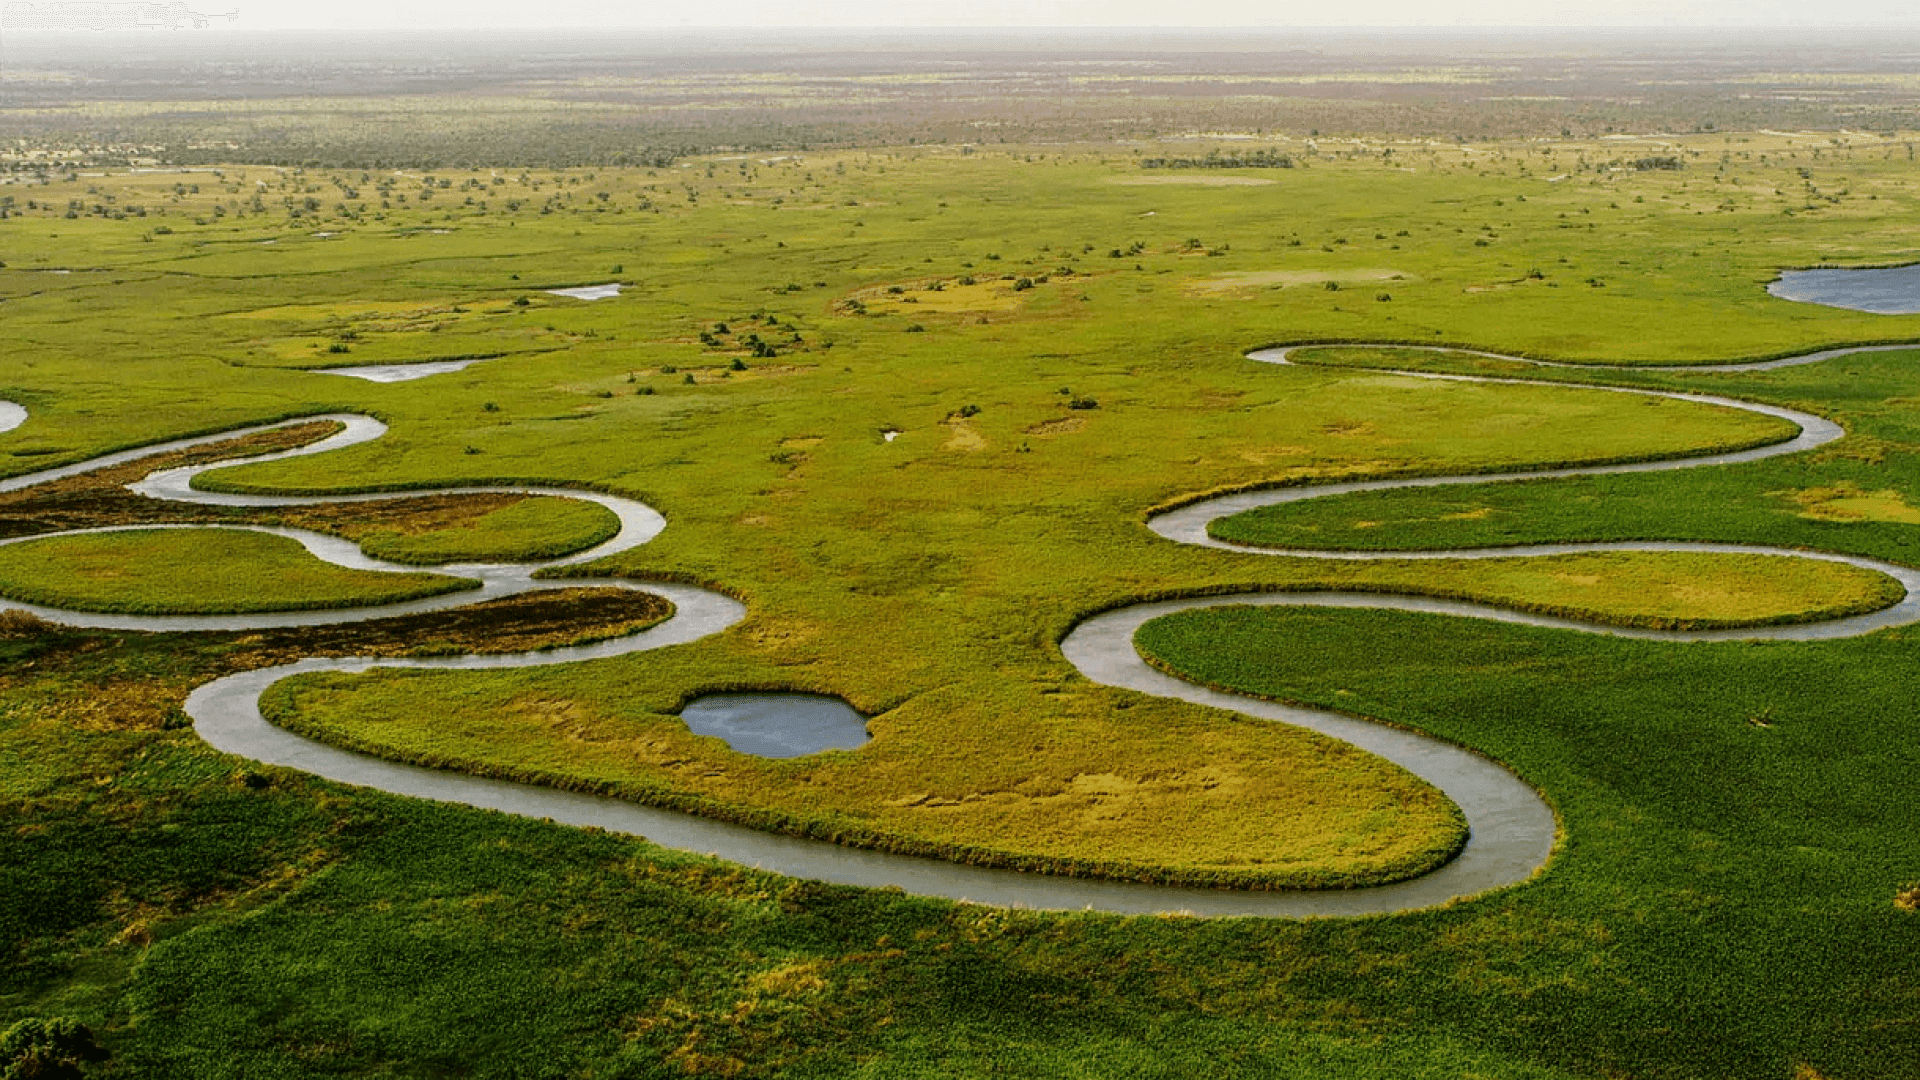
(1731, 812)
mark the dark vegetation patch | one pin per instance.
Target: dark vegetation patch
(1252, 159)
(546, 619)
(98, 498)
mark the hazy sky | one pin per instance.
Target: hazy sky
(526, 14)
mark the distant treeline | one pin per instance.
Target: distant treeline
(1258, 159)
(1663, 162)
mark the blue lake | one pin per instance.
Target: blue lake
(1894, 291)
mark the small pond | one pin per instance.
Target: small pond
(399, 372)
(1892, 291)
(777, 725)
(590, 292)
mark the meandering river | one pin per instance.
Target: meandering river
(1511, 828)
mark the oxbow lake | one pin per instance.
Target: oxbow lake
(1890, 291)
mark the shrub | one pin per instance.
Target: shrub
(56, 1049)
(1083, 403)
(15, 623)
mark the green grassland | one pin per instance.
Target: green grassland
(1856, 495)
(197, 571)
(1063, 353)
(541, 527)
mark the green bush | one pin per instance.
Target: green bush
(56, 1049)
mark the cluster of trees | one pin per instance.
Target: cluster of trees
(1257, 159)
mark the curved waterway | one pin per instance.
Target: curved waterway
(1511, 828)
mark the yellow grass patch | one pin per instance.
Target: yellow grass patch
(792, 980)
(1264, 454)
(1846, 502)
(1661, 589)
(1252, 802)
(963, 436)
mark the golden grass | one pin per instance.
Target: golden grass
(963, 437)
(1847, 502)
(1660, 589)
(1159, 797)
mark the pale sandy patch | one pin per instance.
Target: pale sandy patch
(963, 437)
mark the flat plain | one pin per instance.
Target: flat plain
(912, 405)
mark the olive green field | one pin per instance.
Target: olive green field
(912, 406)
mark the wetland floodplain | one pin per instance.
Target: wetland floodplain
(939, 426)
